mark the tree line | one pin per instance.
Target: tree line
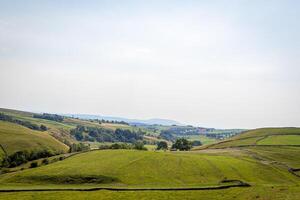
(48, 116)
(110, 121)
(27, 124)
(180, 144)
(86, 133)
(79, 147)
(21, 157)
(139, 145)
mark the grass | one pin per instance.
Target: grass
(287, 155)
(129, 168)
(150, 147)
(263, 136)
(2, 154)
(280, 140)
(259, 193)
(15, 137)
(204, 140)
(267, 131)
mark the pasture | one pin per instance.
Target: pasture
(17, 138)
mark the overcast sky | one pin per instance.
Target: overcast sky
(225, 64)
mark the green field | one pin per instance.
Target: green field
(142, 169)
(280, 139)
(264, 136)
(204, 140)
(129, 168)
(287, 155)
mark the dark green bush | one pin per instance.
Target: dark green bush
(33, 164)
(45, 161)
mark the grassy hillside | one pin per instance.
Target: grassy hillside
(128, 168)
(263, 136)
(287, 155)
(61, 130)
(15, 138)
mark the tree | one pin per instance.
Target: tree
(115, 146)
(162, 145)
(33, 164)
(79, 147)
(182, 144)
(43, 128)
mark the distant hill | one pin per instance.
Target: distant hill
(262, 137)
(165, 122)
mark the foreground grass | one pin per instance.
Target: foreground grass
(129, 168)
(260, 193)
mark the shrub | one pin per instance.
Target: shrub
(139, 146)
(43, 128)
(33, 164)
(13, 164)
(61, 158)
(79, 147)
(45, 161)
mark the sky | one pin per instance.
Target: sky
(223, 64)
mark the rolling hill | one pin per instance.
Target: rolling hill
(15, 138)
(257, 164)
(128, 168)
(61, 129)
(261, 137)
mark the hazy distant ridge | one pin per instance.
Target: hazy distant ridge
(166, 122)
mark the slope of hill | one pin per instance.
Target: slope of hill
(61, 129)
(14, 137)
(262, 137)
(128, 168)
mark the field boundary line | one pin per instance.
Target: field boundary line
(240, 184)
